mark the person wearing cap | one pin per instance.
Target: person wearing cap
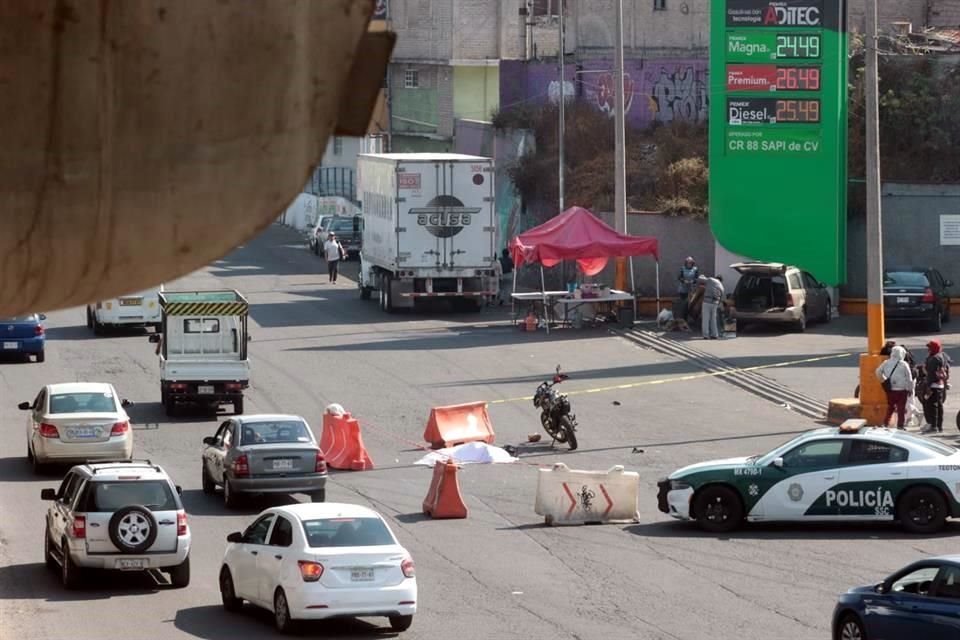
(333, 251)
(687, 281)
(938, 375)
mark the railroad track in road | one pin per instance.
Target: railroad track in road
(752, 382)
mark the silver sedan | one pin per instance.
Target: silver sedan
(264, 454)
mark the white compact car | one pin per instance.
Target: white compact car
(141, 309)
(77, 422)
(320, 560)
(124, 516)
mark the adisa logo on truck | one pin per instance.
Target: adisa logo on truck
(444, 216)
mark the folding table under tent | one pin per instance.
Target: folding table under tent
(577, 234)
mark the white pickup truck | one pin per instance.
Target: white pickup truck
(203, 349)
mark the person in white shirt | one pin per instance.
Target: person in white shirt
(897, 371)
(333, 251)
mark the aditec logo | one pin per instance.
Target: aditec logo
(789, 15)
(444, 216)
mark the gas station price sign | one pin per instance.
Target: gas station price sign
(779, 126)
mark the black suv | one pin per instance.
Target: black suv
(918, 294)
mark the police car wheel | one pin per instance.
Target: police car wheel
(922, 510)
(718, 509)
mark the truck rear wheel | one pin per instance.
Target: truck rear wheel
(238, 405)
(365, 293)
(386, 294)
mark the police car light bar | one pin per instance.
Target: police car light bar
(853, 425)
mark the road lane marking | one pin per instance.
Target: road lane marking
(686, 378)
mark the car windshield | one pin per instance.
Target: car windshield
(343, 225)
(110, 496)
(783, 446)
(905, 279)
(92, 402)
(281, 431)
(927, 443)
(347, 532)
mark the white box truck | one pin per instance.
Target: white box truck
(428, 228)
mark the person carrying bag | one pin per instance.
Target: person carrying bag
(897, 382)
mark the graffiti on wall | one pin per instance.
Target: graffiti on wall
(605, 93)
(658, 91)
(679, 94)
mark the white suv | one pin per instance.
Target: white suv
(125, 516)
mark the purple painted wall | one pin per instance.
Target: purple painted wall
(657, 91)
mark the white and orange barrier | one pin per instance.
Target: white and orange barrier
(567, 496)
(457, 424)
(341, 442)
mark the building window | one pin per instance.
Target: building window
(337, 145)
(411, 79)
(659, 5)
(545, 8)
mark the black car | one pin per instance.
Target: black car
(918, 294)
(920, 601)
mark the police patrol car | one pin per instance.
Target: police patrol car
(850, 473)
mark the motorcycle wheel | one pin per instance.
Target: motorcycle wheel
(557, 433)
(567, 429)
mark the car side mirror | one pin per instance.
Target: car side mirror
(48, 494)
(236, 536)
(210, 440)
(880, 588)
(126, 403)
(778, 463)
(948, 283)
(43, 316)
(179, 490)
(24, 406)
(249, 337)
(154, 338)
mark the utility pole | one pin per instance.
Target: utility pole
(620, 170)
(872, 396)
(563, 100)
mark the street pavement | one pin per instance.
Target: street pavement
(500, 573)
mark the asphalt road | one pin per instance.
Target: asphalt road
(500, 573)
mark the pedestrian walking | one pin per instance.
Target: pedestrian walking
(897, 381)
(333, 251)
(497, 282)
(506, 275)
(687, 283)
(713, 294)
(938, 376)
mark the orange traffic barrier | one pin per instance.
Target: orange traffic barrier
(342, 444)
(457, 424)
(443, 499)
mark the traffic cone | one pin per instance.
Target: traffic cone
(443, 498)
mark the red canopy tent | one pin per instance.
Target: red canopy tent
(577, 234)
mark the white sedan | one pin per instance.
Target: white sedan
(77, 422)
(320, 560)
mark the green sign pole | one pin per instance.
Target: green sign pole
(778, 132)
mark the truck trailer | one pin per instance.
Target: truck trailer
(428, 228)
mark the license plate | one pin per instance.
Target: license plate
(130, 564)
(130, 302)
(82, 432)
(361, 575)
(903, 300)
(11, 345)
(205, 388)
(282, 464)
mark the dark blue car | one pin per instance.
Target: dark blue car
(23, 336)
(919, 602)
